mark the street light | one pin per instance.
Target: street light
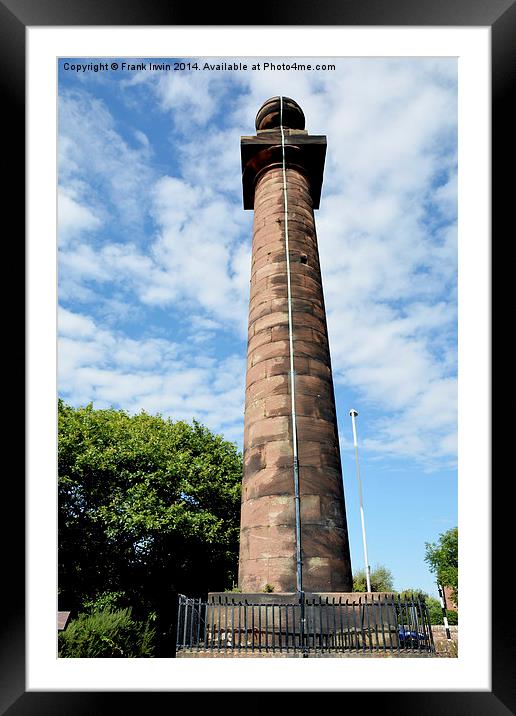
(354, 414)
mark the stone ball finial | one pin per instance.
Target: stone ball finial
(268, 116)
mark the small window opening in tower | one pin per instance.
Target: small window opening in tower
(303, 258)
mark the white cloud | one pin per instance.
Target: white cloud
(200, 251)
(430, 419)
(175, 94)
(104, 366)
(198, 230)
(74, 217)
(74, 325)
(93, 148)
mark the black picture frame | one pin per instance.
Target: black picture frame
(15, 17)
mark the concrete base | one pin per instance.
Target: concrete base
(203, 654)
(293, 597)
(347, 620)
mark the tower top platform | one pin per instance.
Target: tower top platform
(303, 151)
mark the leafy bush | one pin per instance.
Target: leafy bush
(435, 612)
(106, 633)
(104, 601)
(413, 594)
(381, 580)
(453, 617)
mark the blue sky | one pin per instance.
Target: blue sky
(154, 265)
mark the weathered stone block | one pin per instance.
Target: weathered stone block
(269, 429)
(321, 481)
(317, 573)
(315, 386)
(271, 269)
(311, 321)
(254, 411)
(255, 373)
(270, 541)
(272, 319)
(280, 333)
(310, 509)
(279, 575)
(310, 453)
(275, 385)
(258, 287)
(267, 294)
(258, 340)
(254, 459)
(302, 305)
(278, 405)
(258, 310)
(278, 454)
(275, 349)
(319, 367)
(315, 429)
(332, 511)
(268, 481)
(280, 365)
(281, 510)
(321, 541)
(311, 406)
(312, 350)
(253, 573)
(255, 512)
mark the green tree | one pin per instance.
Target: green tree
(443, 560)
(147, 507)
(435, 611)
(381, 580)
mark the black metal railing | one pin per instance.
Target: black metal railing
(366, 624)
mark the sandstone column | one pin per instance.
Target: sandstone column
(268, 522)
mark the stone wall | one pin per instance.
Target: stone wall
(443, 646)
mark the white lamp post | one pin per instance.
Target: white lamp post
(354, 414)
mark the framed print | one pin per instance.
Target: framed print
(41, 43)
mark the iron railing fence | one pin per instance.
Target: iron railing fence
(310, 625)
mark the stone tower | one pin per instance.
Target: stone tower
(293, 522)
